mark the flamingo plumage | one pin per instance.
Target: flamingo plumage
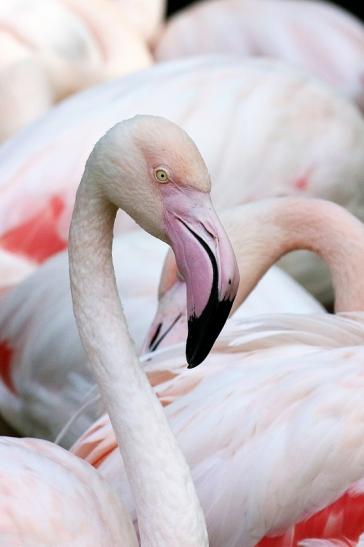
(54, 49)
(125, 171)
(40, 374)
(259, 426)
(43, 381)
(47, 497)
(322, 38)
(261, 233)
(271, 424)
(40, 168)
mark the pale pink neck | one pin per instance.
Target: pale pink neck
(167, 507)
(263, 232)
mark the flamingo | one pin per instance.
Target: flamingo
(49, 497)
(44, 380)
(151, 168)
(40, 168)
(288, 224)
(54, 49)
(272, 424)
(322, 38)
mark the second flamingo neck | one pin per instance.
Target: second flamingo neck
(263, 232)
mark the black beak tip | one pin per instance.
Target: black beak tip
(195, 355)
(203, 331)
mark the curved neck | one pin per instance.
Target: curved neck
(167, 507)
(262, 232)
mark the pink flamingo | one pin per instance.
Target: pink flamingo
(47, 497)
(54, 49)
(271, 425)
(320, 37)
(152, 169)
(40, 168)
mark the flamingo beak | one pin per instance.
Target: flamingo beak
(169, 325)
(206, 260)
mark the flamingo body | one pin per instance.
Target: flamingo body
(48, 497)
(322, 38)
(271, 428)
(54, 49)
(38, 371)
(41, 167)
(44, 381)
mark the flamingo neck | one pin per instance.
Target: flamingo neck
(263, 232)
(167, 507)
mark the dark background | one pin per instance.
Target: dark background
(357, 8)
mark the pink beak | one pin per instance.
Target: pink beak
(207, 263)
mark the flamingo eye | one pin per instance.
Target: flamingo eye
(161, 175)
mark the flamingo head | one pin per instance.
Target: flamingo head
(166, 189)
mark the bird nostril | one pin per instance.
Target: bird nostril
(208, 231)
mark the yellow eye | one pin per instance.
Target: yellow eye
(161, 175)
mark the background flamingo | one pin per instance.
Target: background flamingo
(43, 380)
(54, 49)
(40, 168)
(320, 37)
(47, 495)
